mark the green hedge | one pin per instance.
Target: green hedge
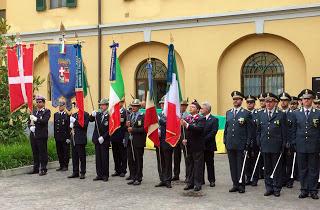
(20, 154)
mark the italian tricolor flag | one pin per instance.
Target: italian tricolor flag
(116, 91)
(172, 102)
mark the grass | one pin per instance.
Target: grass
(20, 154)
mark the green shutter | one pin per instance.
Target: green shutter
(71, 3)
(41, 5)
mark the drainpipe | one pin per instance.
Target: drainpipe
(99, 50)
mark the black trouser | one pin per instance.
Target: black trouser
(79, 154)
(209, 161)
(236, 158)
(165, 168)
(270, 160)
(102, 160)
(249, 167)
(136, 163)
(308, 164)
(177, 159)
(39, 153)
(63, 151)
(195, 168)
(119, 152)
(287, 167)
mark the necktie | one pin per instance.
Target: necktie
(307, 113)
(102, 118)
(270, 115)
(235, 113)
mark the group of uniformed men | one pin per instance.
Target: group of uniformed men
(278, 144)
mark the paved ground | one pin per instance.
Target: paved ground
(55, 191)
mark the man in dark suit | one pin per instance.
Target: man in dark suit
(79, 142)
(164, 153)
(306, 139)
(237, 138)
(119, 149)
(101, 140)
(137, 142)
(194, 125)
(209, 132)
(272, 138)
(38, 125)
(62, 136)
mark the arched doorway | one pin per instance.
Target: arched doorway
(159, 75)
(262, 72)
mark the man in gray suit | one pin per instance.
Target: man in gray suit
(306, 140)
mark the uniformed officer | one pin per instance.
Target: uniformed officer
(272, 138)
(262, 101)
(38, 125)
(253, 149)
(237, 138)
(62, 136)
(136, 144)
(305, 139)
(288, 154)
(209, 132)
(78, 142)
(164, 154)
(316, 101)
(101, 140)
(294, 104)
(177, 149)
(118, 142)
(194, 125)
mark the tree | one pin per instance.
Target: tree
(12, 125)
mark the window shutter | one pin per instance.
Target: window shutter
(71, 3)
(40, 5)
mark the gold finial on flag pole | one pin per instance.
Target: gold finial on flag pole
(171, 38)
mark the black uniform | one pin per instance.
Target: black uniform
(209, 132)
(306, 139)
(136, 144)
(61, 134)
(237, 138)
(79, 142)
(165, 168)
(39, 139)
(119, 149)
(195, 147)
(272, 137)
(101, 150)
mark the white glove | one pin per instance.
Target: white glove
(101, 139)
(94, 114)
(72, 119)
(68, 141)
(71, 125)
(33, 129)
(33, 118)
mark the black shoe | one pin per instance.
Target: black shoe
(64, 169)
(168, 185)
(314, 196)
(136, 183)
(161, 184)
(248, 182)
(129, 178)
(115, 174)
(73, 176)
(59, 169)
(289, 185)
(197, 188)
(97, 178)
(175, 178)
(303, 195)
(43, 173)
(131, 182)
(242, 190)
(233, 189)
(82, 176)
(268, 193)
(188, 187)
(212, 184)
(122, 175)
(105, 179)
(276, 194)
(33, 172)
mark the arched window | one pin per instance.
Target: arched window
(159, 73)
(262, 72)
